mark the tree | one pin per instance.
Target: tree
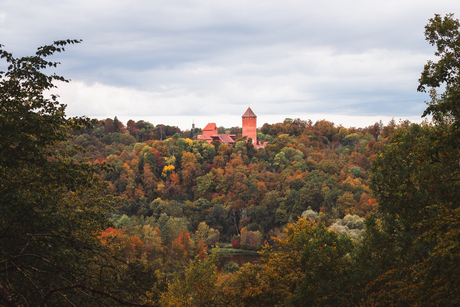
(417, 181)
(116, 124)
(52, 209)
(250, 239)
(346, 204)
(310, 267)
(445, 34)
(197, 287)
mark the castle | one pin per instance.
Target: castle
(249, 131)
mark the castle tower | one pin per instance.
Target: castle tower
(250, 126)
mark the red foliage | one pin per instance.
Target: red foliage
(235, 244)
(111, 232)
(203, 253)
(209, 167)
(181, 245)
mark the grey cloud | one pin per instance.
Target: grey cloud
(204, 57)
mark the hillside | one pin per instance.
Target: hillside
(320, 166)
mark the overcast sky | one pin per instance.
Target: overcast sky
(174, 62)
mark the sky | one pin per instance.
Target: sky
(178, 62)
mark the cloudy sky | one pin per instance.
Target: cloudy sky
(352, 62)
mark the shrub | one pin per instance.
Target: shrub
(231, 267)
(353, 221)
(355, 171)
(311, 214)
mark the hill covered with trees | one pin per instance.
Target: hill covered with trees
(102, 213)
(318, 166)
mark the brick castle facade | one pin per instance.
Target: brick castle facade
(249, 131)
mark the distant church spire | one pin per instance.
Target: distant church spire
(192, 131)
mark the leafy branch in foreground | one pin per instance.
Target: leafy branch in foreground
(417, 180)
(52, 207)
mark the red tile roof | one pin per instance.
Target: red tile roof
(204, 137)
(225, 138)
(210, 126)
(249, 113)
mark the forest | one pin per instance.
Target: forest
(97, 212)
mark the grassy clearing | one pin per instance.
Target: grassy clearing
(227, 249)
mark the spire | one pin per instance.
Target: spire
(249, 113)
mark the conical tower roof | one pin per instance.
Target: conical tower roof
(249, 113)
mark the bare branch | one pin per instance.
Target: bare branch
(7, 298)
(99, 292)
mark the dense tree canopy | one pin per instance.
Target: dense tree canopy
(417, 181)
(51, 207)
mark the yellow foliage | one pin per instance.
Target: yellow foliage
(189, 141)
(353, 182)
(160, 186)
(170, 161)
(167, 169)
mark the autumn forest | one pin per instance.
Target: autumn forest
(100, 212)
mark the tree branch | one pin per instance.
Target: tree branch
(99, 292)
